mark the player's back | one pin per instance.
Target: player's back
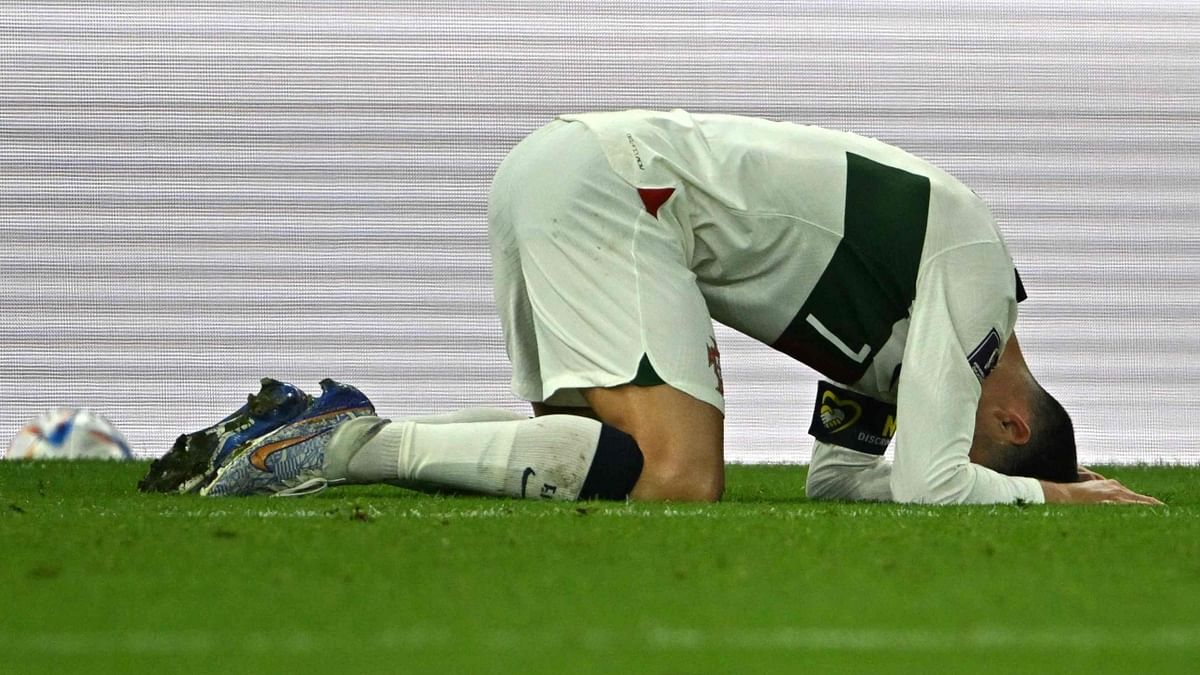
(752, 167)
(772, 213)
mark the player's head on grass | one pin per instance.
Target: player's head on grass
(1049, 452)
(1020, 429)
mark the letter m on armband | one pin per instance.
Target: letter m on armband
(871, 279)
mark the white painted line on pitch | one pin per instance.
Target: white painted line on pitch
(661, 638)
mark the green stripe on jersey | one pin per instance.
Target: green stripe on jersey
(871, 279)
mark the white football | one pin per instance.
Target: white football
(68, 433)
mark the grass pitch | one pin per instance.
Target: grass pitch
(96, 578)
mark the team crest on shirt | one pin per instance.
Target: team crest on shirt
(983, 359)
(714, 362)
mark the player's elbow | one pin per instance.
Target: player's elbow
(824, 483)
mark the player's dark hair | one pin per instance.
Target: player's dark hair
(1050, 453)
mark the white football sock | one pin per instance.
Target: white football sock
(545, 457)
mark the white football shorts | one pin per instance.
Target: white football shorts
(588, 281)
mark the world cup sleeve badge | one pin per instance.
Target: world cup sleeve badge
(986, 355)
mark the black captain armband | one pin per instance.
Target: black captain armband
(851, 420)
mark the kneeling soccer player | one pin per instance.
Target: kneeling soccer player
(618, 237)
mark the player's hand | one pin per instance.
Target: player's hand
(1086, 474)
(1104, 491)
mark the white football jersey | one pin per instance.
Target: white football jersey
(872, 266)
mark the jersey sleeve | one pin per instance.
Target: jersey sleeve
(963, 314)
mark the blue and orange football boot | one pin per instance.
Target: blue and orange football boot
(194, 458)
(275, 461)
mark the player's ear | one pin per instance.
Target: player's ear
(1014, 425)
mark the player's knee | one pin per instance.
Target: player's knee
(679, 436)
(692, 485)
(680, 472)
